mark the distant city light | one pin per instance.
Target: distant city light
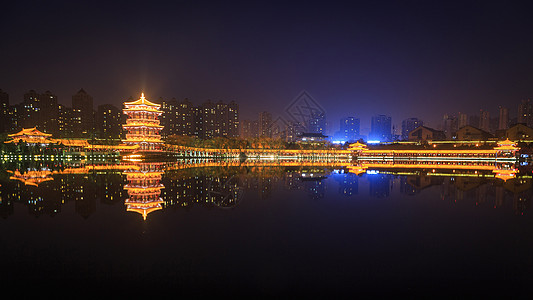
(373, 142)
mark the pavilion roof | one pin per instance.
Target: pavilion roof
(506, 145)
(73, 142)
(30, 132)
(142, 101)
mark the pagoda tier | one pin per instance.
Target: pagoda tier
(142, 126)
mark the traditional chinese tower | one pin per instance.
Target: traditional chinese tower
(144, 188)
(142, 126)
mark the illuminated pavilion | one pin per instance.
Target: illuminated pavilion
(144, 189)
(31, 136)
(32, 177)
(143, 126)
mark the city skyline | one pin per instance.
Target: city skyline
(82, 107)
(354, 59)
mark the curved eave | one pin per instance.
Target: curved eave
(506, 148)
(142, 125)
(144, 108)
(29, 131)
(144, 211)
(143, 141)
(142, 101)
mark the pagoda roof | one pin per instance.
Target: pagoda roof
(142, 101)
(143, 208)
(30, 132)
(505, 174)
(357, 146)
(144, 212)
(506, 145)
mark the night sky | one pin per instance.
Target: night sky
(403, 58)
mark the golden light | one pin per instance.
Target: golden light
(142, 126)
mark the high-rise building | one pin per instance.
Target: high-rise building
(317, 123)
(233, 119)
(249, 129)
(462, 120)
(503, 120)
(168, 116)
(178, 118)
(409, 125)
(39, 110)
(14, 117)
(208, 115)
(294, 131)
(210, 119)
(29, 112)
(109, 122)
(4, 112)
(221, 119)
(265, 124)
(49, 113)
(450, 126)
(69, 121)
(227, 119)
(380, 128)
(83, 103)
(350, 128)
(525, 113)
(484, 120)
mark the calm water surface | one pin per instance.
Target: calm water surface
(273, 231)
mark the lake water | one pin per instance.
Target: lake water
(257, 230)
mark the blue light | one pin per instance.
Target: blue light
(372, 172)
(373, 142)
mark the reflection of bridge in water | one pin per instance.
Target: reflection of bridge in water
(222, 187)
(503, 171)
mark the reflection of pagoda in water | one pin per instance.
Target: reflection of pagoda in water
(144, 188)
(142, 126)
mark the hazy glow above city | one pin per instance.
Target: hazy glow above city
(403, 59)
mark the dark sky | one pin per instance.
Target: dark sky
(402, 58)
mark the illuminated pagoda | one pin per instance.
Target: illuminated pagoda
(507, 147)
(505, 174)
(357, 147)
(143, 126)
(144, 188)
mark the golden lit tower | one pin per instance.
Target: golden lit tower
(144, 188)
(142, 126)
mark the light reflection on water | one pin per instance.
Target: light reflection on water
(268, 228)
(46, 186)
